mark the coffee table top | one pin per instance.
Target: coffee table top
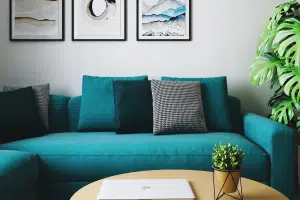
(201, 182)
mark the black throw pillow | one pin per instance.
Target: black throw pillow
(18, 116)
(133, 106)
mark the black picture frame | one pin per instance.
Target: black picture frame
(35, 40)
(149, 40)
(100, 40)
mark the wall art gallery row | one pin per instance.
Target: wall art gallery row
(99, 20)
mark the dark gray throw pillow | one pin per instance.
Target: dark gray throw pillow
(41, 94)
(177, 107)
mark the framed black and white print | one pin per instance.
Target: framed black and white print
(163, 20)
(37, 20)
(99, 20)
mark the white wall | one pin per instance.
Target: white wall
(225, 35)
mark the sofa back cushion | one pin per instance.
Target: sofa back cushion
(64, 113)
(97, 105)
(236, 114)
(58, 114)
(74, 113)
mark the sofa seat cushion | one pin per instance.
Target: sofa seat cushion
(17, 170)
(92, 156)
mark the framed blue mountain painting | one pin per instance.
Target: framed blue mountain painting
(164, 20)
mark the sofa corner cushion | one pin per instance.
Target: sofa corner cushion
(17, 169)
(115, 154)
(97, 111)
(215, 102)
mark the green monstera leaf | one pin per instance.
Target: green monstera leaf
(278, 62)
(265, 42)
(287, 41)
(264, 69)
(283, 112)
(277, 96)
(289, 79)
(282, 12)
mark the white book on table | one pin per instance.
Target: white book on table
(150, 189)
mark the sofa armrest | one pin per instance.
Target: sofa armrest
(279, 142)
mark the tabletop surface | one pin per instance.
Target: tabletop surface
(200, 181)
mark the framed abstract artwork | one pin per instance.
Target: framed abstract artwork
(99, 20)
(37, 20)
(163, 20)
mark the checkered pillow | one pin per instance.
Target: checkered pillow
(177, 107)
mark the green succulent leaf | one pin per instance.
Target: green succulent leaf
(283, 112)
(287, 41)
(264, 69)
(289, 79)
(227, 157)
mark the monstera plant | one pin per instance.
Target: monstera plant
(278, 63)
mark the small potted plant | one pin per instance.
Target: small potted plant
(228, 164)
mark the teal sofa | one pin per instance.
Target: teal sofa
(55, 166)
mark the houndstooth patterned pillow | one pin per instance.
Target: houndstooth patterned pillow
(41, 94)
(177, 107)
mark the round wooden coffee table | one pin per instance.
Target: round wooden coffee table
(201, 182)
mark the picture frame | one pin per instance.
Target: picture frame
(164, 20)
(110, 24)
(29, 22)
